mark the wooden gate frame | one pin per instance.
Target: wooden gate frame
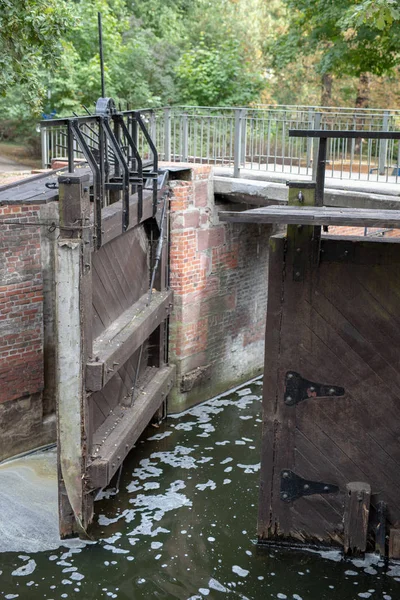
(85, 365)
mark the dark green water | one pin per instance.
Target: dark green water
(183, 526)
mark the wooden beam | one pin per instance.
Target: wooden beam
(356, 516)
(127, 426)
(124, 336)
(320, 215)
(111, 216)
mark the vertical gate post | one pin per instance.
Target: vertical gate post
(167, 134)
(73, 348)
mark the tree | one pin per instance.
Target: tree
(347, 37)
(30, 32)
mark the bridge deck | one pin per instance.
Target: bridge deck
(319, 215)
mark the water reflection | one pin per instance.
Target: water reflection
(183, 526)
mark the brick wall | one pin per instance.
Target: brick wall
(218, 272)
(21, 304)
(359, 231)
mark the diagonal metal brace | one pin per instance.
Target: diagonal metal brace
(294, 487)
(298, 389)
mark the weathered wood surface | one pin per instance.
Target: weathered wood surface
(394, 544)
(121, 274)
(124, 336)
(339, 325)
(121, 430)
(321, 215)
(356, 517)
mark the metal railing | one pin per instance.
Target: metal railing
(257, 139)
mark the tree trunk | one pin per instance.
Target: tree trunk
(326, 91)
(363, 90)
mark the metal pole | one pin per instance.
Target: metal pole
(167, 134)
(383, 144)
(45, 148)
(311, 117)
(238, 143)
(185, 141)
(103, 89)
(243, 138)
(317, 125)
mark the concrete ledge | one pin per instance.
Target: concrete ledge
(265, 193)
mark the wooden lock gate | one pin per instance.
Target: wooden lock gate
(112, 304)
(331, 400)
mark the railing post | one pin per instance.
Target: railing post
(167, 134)
(317, 125)
(311, 121)
(243, 138)
(383, 144)
(45, 147)
(237, 151)
(185, 138)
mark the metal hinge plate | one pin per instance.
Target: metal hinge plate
(298, 389)
(294, 487)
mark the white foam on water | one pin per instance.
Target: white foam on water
(216, 585)
(226, 481)
(25, 569)
(226, 460)
(179, 457)
(204, 591)
(160, 436)
(239, 571)
(210, 484)
(250, 468)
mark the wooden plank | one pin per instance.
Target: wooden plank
(356, 517)
(112, 216)
(394, 544)
(315, 216)
(125, 432)
(124, 336)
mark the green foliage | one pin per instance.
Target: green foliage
(347, 37)
(29, 42)
(217, 75)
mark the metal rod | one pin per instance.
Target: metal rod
(103, 89)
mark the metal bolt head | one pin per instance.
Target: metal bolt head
(290, 375)
(331, 391)
(297, 273)
(312, 389)
(306, 486)
(288, 399)
(285, 474)
(326, 488)
(284, 496)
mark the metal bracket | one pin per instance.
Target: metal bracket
(298, 389)
(294, 487)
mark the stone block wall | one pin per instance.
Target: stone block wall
(218, 272)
